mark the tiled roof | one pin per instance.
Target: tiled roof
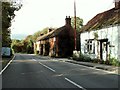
(107, 18)
(45, 36)
(54, 33)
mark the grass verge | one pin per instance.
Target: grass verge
(5, 61)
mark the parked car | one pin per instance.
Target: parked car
(6, 52)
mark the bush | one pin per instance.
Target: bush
(81, 57)
(53, 55)
(114, 61)
(95, 60)
(86, 58)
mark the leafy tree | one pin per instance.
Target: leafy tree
(26, 45)
(79, 24)
(16, 46)
(38, 33)
(45, 30)
(29, 44)
(8, 9)
(23, 46)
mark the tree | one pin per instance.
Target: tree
(26, 45)
(38, 33)
(16, 45)
(8, 9)
(79, 24)
(45, 30)
(23, 46)
(29, 44)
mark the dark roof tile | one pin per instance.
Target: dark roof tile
(54, 33)
(107, 18)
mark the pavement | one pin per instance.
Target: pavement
(112, 69)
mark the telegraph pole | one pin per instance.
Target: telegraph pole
(75, 24)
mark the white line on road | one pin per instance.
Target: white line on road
(34, 60)
(6, 66)
(75, 84)
(47, 67)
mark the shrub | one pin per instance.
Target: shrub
(81, 57)
(114, 61)
(53, 55)
(95, 60)
(86, 58)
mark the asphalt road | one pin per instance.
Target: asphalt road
(30, 71)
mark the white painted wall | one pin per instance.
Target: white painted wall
(111, 33)
(118, 43)
(84, 36)
(38, 45)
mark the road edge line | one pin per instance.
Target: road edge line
(106, 71)
(6, 65)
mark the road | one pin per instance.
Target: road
(30, 71)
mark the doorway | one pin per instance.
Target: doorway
(103, 49)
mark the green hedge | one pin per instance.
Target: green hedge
(114, 61)
(86, 58)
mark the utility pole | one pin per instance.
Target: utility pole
(75, 23)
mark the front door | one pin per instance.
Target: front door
(103, 49)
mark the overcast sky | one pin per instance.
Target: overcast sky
(38, 14)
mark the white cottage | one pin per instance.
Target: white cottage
(100, 37)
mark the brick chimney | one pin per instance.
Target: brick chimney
(117, 4)
(49, 30)
(68, 21)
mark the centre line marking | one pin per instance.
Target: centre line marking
(47, 67)
(75, 84)
(34, 60)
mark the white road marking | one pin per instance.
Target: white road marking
(75, 84)
(6, 66)
(34, 60)
(47, 67)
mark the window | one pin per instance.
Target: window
(89, 46)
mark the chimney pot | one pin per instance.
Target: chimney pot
(50, 30)
(68, 20)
